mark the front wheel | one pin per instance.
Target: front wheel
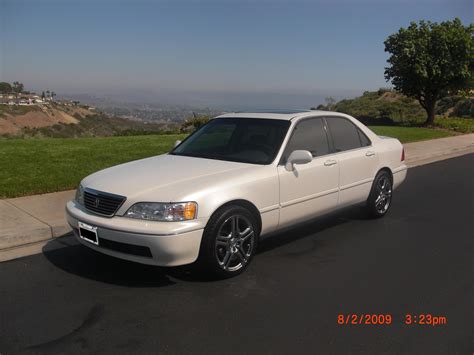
(380, 197)
(229, 242)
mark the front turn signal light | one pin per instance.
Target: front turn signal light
(190, 210)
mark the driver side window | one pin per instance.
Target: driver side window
(309, 135)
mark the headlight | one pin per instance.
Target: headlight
(167, 212)
(80, 195)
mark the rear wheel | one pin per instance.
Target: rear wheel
(380, 197)
(229, 241)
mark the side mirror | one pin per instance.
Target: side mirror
(178, 142)
(298, 157)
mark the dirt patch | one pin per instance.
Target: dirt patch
(389, 96)
(11, 124)
(7, 127)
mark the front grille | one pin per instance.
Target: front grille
(102, 202)
(125, 248)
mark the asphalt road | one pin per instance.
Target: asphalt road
(416, 260)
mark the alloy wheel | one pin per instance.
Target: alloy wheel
(384, 195)
(234, 243)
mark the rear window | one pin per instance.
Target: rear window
(346, 135)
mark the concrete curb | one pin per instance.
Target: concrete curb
(28, 223)
(428, 159)
(425, 152)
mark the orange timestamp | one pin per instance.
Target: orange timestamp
(364, 319)
(387, 319)
(425, 319)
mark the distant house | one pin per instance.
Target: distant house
(25, 99)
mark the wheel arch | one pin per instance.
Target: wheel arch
(388, 170)
(245, 204)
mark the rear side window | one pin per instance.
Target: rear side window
(309, 135)
(363, 139)
(345, 134)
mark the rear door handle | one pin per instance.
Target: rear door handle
(330, 162)
(369, 153)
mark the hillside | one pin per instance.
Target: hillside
(58, 120)
(13, 119)
(389, 107)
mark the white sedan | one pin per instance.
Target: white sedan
(240, 176)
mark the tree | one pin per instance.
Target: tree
(429, 61)
(194, 123)
(17, 87)
(330, 101)
(5, 88)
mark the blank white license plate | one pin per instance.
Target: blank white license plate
(88, 233)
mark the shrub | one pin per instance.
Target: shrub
(464, 108)
(461, 125)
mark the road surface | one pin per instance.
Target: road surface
(417, 260)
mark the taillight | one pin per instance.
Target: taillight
(403, 154)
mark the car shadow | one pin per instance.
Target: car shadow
(309, 228)
(71, 256)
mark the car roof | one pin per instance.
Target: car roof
(275, 114)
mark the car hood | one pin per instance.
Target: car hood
(166, 173)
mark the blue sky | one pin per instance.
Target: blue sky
(212, 50)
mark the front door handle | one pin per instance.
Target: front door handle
(369, 153)
(330, 162)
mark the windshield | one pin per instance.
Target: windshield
(246, 140)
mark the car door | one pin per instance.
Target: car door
(356, 157)
(312, 188)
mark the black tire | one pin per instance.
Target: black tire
(380, 197)
(224, 252)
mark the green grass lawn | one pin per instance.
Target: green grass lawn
(31, 166)
(410, 134)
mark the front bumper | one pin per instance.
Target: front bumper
(146, 242)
